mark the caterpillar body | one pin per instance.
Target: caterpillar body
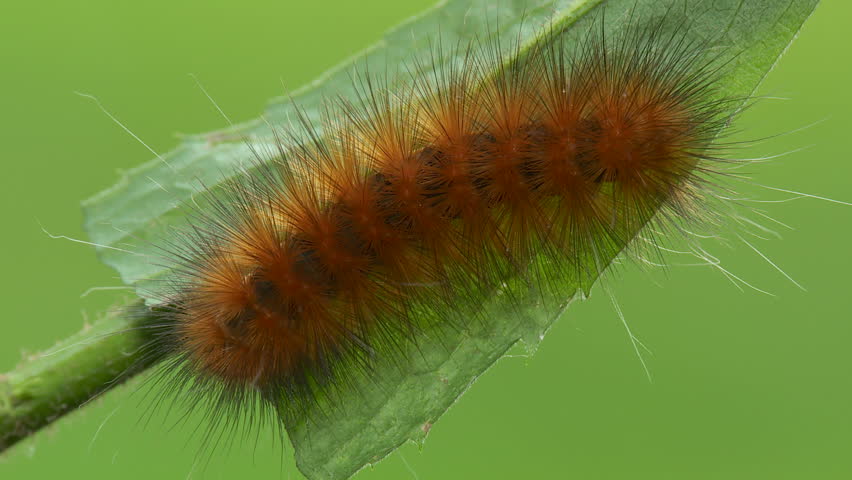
(414, 206)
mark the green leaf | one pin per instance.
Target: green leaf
(402, 403)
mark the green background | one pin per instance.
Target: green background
(745, 385)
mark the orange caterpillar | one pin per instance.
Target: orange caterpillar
(331, 256)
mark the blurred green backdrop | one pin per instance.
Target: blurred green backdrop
(745, 385)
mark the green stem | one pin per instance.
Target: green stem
(46, 386)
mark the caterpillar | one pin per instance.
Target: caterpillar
(329, 257)
(408, 208)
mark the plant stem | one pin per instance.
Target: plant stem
(46, 386)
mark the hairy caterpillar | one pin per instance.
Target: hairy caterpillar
(325, 259)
